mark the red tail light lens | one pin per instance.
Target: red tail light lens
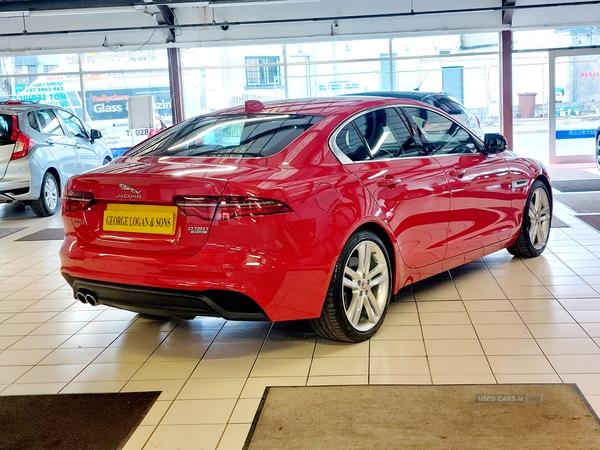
(202, 207)
(23, 143)
(77, 201)
(230, 207)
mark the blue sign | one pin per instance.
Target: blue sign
(575, 134)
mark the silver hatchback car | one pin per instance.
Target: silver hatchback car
(41, 146)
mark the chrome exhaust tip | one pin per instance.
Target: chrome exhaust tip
(87, 297)
(91, 299)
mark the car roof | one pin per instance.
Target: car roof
(414, 95)
(323, 106)
(8, 107)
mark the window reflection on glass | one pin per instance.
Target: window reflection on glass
(228, 136)
(440, 134)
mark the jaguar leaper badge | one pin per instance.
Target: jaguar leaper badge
(134, 192)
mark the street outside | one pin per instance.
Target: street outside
(530, 137)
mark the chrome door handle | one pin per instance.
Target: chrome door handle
(50, 142)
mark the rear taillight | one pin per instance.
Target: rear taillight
(202, 207)
(23, 143)
(229, 207)
(77, 201)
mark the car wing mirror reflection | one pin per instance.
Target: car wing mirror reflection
(494, 143)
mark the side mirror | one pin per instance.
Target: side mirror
(95, 134)
(494, 143)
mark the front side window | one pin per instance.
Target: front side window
(73, 124)
(439, 134)
(228, 136)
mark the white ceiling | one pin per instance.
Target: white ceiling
(238, 21)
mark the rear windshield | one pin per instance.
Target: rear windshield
(242, 135)
(5, 128)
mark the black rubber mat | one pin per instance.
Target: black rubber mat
(8, 231)
(49, 234)
(588, 202)
(71, 421)
(592, 184)
(592, 220)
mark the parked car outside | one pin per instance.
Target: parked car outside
(41, 146)
(441, 100)
(318, 209)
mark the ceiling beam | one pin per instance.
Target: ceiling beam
(507, 14)
(53, 5)
(165, 18)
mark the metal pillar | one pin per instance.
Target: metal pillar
(506, 92)
(175, 84)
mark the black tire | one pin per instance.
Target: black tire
(368, 290)
(106, 161)
(48, 202)
(535, 227)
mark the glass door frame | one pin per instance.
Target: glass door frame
(554, 159)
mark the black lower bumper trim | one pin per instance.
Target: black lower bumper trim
(169, 302)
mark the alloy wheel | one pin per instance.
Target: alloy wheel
(51, 193)
(539, 218)
(365, 285)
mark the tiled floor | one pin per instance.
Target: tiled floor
(498, 320)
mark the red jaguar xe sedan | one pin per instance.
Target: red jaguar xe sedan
(318, 209)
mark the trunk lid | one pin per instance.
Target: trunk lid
(150, 205)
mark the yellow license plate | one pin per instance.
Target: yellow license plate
(140, 219)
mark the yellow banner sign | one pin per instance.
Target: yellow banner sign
(140, 219)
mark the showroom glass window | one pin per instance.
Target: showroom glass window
(262, 71)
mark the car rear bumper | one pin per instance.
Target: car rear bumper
(21, 181)
(234, 282)
(166, 302)
(15, 191)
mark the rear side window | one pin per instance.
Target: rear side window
(378, 134)
(49, 123)
(231, 135)
(5, 128)
(33, 123)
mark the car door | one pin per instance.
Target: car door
(61, 148)
(86, 150)
(409, 186)
(481, 212)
